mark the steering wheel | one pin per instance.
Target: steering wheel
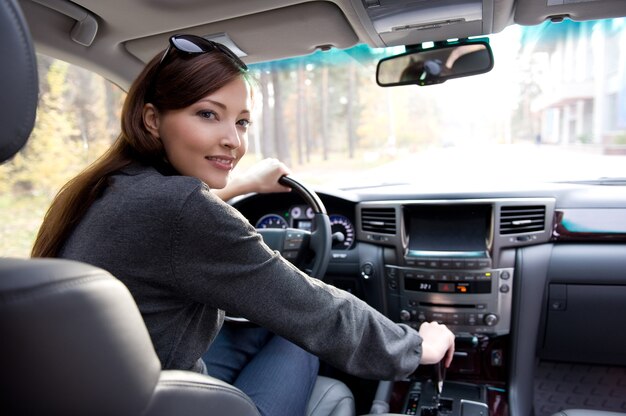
(295, 244)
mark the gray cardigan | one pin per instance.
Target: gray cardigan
(186, 256)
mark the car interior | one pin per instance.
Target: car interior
(531, 279)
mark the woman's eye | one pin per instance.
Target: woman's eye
(243, 123)
(207, 114)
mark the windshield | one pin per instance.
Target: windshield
(552, 109)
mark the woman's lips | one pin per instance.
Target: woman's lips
(221, 162)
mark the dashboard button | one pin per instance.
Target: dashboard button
(439, 316)
(483, 264)
(458, 264)
(292, 244)
(434, 264)
(458, 321)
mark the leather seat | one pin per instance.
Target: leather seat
(73, 339)
(330, 397)
(75, 343)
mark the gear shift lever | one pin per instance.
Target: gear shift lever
(440, 375)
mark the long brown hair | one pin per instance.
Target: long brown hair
(175, 83)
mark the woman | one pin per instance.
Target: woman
(146, 212)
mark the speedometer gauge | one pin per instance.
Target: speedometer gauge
(343, 232)
(271, 221)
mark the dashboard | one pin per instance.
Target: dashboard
(467, 259)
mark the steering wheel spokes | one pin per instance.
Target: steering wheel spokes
(291, 243)
(298, 246)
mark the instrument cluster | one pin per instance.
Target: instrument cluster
(301, 217)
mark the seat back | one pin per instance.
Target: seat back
(74, 341)
(18, 79)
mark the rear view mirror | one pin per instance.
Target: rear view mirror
(435, 65)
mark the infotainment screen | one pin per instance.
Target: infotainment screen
(438, 230)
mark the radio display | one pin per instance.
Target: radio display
(436, 230)
(419, 285)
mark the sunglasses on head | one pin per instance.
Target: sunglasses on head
(194, 45)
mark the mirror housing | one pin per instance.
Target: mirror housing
(444, 61)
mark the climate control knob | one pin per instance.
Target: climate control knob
(491, 319)
(405, 315)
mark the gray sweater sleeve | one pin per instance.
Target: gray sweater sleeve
(219, 259)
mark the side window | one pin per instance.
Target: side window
(77, 120)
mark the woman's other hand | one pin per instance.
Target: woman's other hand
(437, 343)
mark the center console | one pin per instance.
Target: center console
(453, 262)
(422, 399)
(445, 269)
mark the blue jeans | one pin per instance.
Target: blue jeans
(277, 375)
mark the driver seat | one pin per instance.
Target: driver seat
(74, 341)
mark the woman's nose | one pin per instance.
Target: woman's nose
(231, 138)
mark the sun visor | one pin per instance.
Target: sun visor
(533, 12)
(265, 36)
(405, 22)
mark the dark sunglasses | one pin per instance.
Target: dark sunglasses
(194, 45)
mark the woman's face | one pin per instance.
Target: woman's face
(207, 139)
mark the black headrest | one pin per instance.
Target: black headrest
(19, 86)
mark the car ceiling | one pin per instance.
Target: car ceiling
(117, 37)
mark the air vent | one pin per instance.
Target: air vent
(379, 220)
(522, 219)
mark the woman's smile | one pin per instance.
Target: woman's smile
(221, 162)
